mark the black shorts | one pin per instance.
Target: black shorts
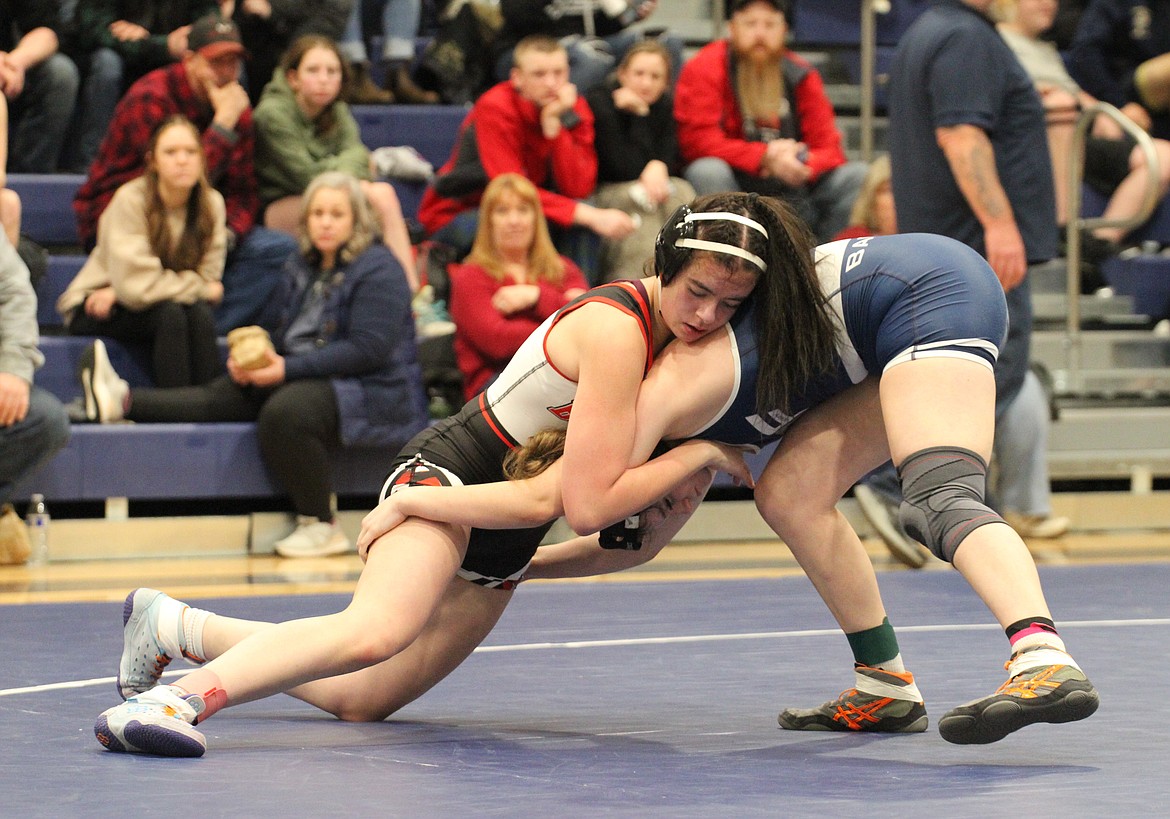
(454, 452)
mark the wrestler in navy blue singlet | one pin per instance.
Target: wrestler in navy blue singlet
(895, 298)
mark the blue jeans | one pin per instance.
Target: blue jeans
(25, 445)
(40, 116)
(825, 204)
(399, 28)
(1021, 452)
(459, 233)
(589, 65)
(105, 78)
(253, 269)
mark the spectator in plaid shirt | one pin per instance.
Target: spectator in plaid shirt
(204, 88)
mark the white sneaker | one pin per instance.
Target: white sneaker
(1043, 526)
(159, 721)
(105, 392)
(314, 538)
(882, 515)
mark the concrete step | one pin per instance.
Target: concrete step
(1102, 349)
(1111, 310)
(1111, 442)
(1149, 384)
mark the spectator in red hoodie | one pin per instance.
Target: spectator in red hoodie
(754, 117)
(536, 125)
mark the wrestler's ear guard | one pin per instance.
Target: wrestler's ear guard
(669, 256)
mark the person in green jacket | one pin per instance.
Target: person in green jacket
(302, 129)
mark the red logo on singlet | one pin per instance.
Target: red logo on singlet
(418, 473)
(562, 412)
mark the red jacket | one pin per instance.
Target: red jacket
(710, 123)
(501, 134)
(485, 340)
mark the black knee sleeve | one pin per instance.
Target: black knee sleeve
(942, 490)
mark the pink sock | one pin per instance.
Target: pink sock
(206, 685)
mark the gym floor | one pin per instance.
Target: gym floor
(653, 692)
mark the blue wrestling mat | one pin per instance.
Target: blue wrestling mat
(654, 698)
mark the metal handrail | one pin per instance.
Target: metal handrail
(868, 56)
(1075, 223)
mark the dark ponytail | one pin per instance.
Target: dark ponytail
(794, 327)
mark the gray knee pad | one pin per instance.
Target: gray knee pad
(942, 491)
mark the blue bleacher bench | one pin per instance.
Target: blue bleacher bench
(47, 206)
(182, 461)
(429, 129)
(1145, 279)
(838, 22)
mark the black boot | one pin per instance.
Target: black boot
(1094, 253)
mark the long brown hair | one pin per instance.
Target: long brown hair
(544, 263)
(794, 327)
(535, 455)
(185, 252)
(325, 121)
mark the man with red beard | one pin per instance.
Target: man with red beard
(754, 117)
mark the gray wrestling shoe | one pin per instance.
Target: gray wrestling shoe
(149, 642)
(1034, 692)
(864, 711)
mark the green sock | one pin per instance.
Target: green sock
(876, 647)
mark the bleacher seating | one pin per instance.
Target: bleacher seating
(1145, 278)
(429, 129)
(183, 461)
(47, 199)
(178, 461)
(47, 206)
(838, 22)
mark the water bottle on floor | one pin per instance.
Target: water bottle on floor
(38, 530)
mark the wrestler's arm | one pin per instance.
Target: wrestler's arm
(680, 391)
(518, 504)
(683, 391)
(602, 439)
(584, 557)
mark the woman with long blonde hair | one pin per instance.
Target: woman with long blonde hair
(512, 280)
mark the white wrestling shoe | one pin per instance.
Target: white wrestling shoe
(152, 636)
(160, 722)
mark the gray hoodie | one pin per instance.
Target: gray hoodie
(18, 315)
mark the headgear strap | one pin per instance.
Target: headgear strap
(720, 247)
